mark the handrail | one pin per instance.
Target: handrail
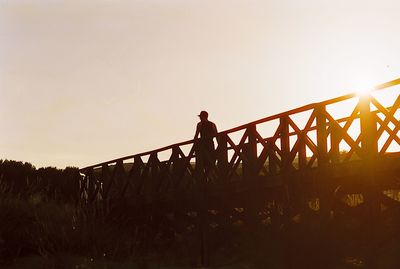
(313, 105)
(263, 120)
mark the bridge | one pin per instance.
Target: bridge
(294, 156)
(339, 155)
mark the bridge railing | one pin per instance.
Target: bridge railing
(312, 136)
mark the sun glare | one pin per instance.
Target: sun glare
(363, 91)
(363, 87)
(364, 83)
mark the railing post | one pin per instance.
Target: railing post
(222, 157)
(285, 164)
(324, 183)
(201, 201)
(107, 182)
(91, 186)
(108, 188)
(369, 143)
(250, 177)
(302, 151)
(119, 178)
(272, 162)
(154, 176)
(178, 167)
(135, 176)
(285, 142)
(250, 151)
(369, 150)
(335, 144)
(324, 187)
(84, 186)
(322, 147)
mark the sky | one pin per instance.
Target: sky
(83, 82)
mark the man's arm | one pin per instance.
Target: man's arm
(196, 135)
(215, 129)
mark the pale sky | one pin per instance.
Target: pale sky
(83, 82)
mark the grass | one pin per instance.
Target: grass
(37, 232)
(34, 228)
(41, 232)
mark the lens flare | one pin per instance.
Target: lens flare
(363, 87)
(363, 91)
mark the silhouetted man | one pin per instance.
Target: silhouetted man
(205, 133)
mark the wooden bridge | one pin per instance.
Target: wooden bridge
(325, 157)
(308, 152)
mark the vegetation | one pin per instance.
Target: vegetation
(42, 226)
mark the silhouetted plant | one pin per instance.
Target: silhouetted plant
(24, 180)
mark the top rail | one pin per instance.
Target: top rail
(263, 120)
(313, 105)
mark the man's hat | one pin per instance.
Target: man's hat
(203, 114)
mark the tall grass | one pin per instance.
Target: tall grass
(34, 226)
(37, 229)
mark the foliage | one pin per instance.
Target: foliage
(23, 180)
(47, 222)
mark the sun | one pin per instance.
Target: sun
(363, 87)
(364, 90)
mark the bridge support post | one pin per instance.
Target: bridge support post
(302, 157)
(250, 176)
(285, 167)
(178, 167)
(335, 143)
(201, 205)
(202, 223)
(369, 143)
(222, 157)
(369, 150)
(324, 184)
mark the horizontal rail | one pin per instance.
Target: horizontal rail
(263, 120)
(313, 105)
(188, 142)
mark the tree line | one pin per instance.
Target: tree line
(24, 180)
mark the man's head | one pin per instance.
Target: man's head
(203, 115)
